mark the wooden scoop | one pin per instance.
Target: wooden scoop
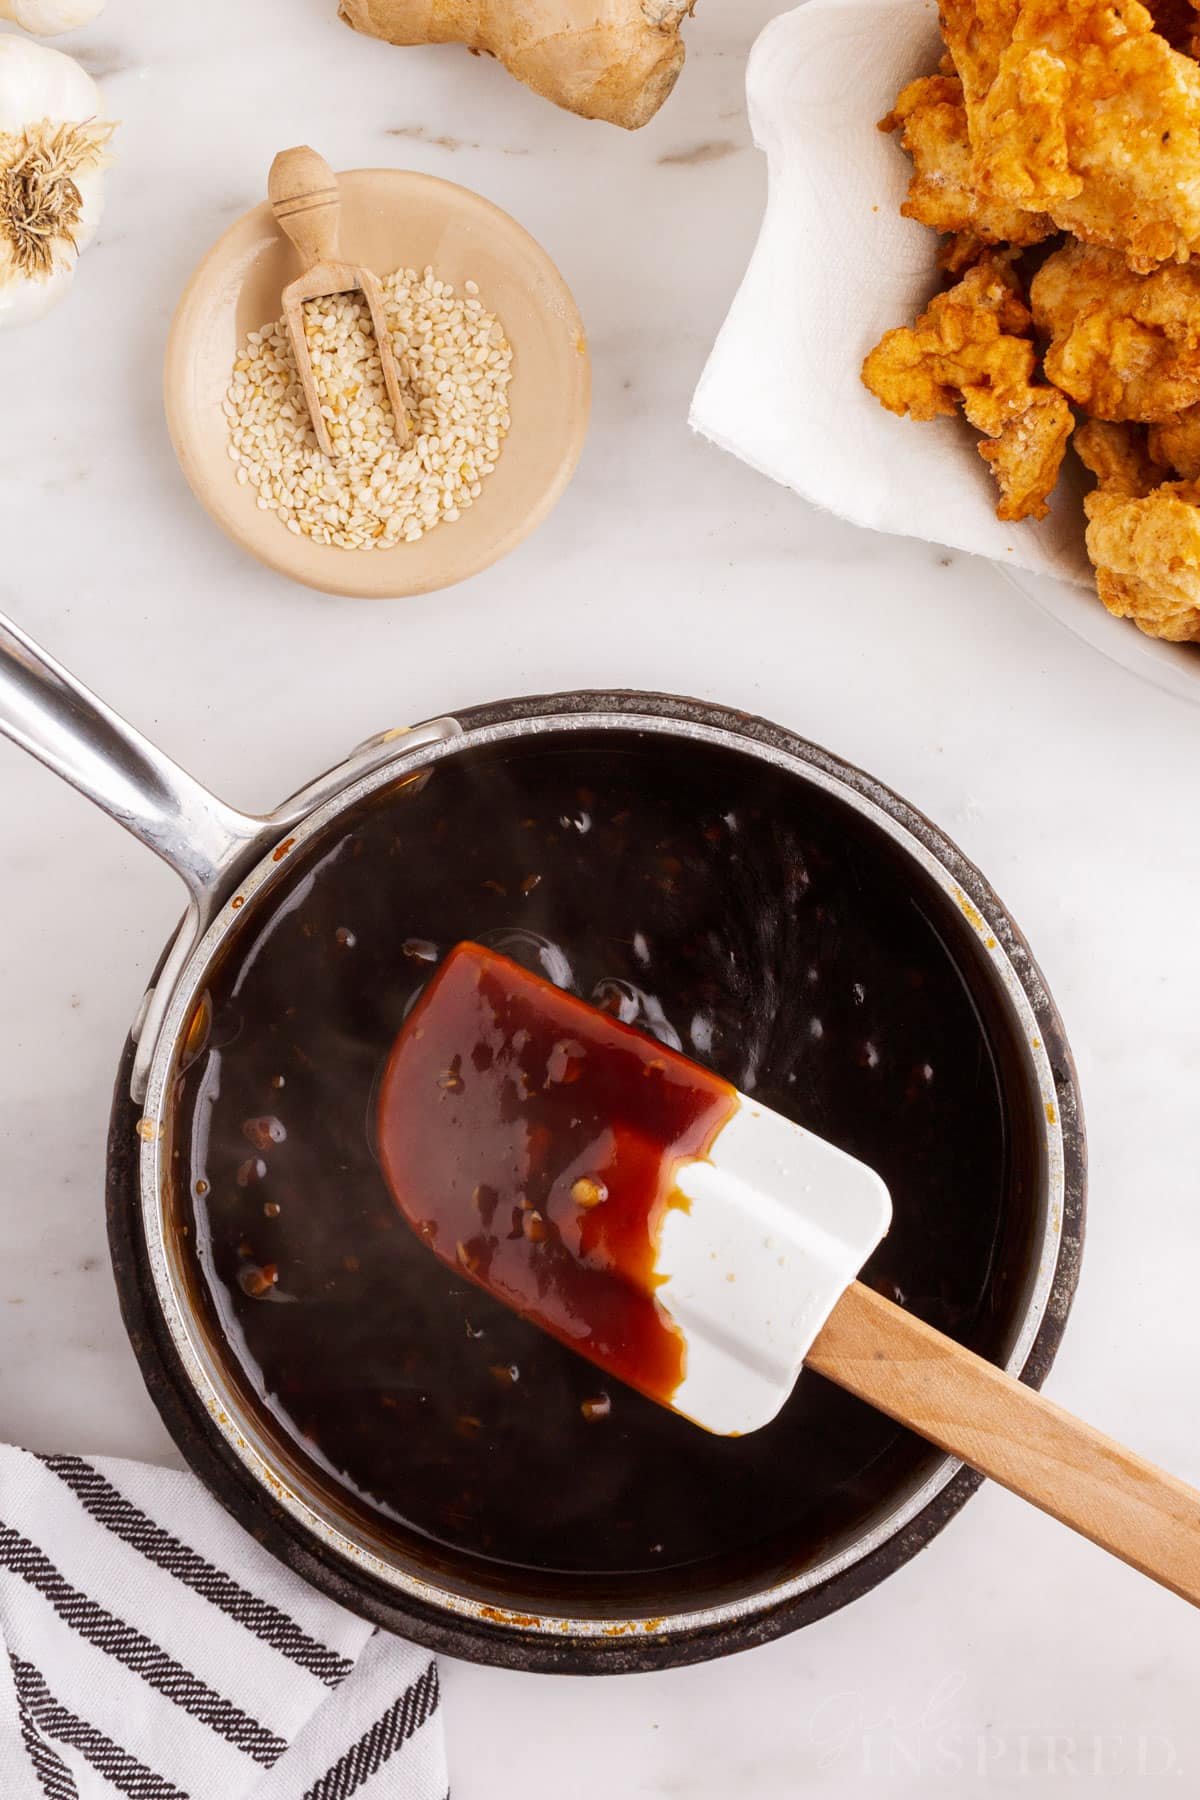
(701, 1248)
(304, 197)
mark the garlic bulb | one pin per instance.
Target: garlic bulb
(52, 159)
(46, 18)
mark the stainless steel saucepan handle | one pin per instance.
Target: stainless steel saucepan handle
(211, 845)
(63, 724)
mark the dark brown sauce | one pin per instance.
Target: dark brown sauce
(722, 907)
(533, 1144)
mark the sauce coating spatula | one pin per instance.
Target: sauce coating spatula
(303, 191)
(702, 1248)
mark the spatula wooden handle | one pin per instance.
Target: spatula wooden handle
(304, 196)
(1009, 1432)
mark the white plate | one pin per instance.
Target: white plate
(1173, 667)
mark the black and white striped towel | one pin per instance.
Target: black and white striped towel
(149, 1647)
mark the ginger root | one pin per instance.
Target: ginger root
(615, 60)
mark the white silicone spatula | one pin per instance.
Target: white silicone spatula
(703, 1249)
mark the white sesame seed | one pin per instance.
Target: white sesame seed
(454, 366)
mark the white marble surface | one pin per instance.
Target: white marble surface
(1008, 1657)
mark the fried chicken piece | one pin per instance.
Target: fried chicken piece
(1146, 552)
(1175, 444)
(971, 344)
(1143, 535)
(1078, 109)
(1116, 456)
(1123, 346)
(973, 337)
(1027, 454)
(959, 252)
(932, 120)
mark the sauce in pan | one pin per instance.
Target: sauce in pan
(532, 1143)
(728, 911)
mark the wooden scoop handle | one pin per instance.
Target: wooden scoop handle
(1008, 1431)
(303, 191)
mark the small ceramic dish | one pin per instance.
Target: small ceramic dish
(391, 218)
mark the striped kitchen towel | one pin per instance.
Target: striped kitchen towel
(149, 1647)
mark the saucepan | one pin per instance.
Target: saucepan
(637, 833)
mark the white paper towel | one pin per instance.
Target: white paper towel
(834, 268)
